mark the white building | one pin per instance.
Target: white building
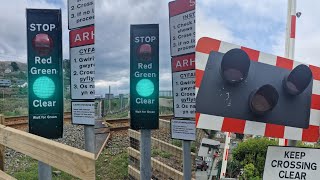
(7, 71)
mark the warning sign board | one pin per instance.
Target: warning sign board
(292, 163)
(81, 37)
(183, 79)
(183, 129)
(83, 113)
(182, 27)
(82, 60)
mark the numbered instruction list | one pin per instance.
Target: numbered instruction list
(82, 72)
(182, 33)
(81, 13)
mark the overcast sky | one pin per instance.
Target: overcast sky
(256, 24)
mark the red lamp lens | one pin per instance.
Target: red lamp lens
(144, 52)
(42, 44)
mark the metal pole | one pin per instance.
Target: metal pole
(145, 158)
(211, 164)
(44, 171)
(89, 138)
(186, 160)
(290, 39)
(109, 98)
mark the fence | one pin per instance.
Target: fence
(165, 93)
(71, 160)
(164, 170)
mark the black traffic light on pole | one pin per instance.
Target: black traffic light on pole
(236, 87)
(45, 75)
(144, 76)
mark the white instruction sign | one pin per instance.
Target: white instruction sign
(183, 129)
(184, 93)
(82, 72)
(182, 33)
(81, 13)
(83, 113)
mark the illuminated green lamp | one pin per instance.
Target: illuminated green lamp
(145, 87)
(43, 87)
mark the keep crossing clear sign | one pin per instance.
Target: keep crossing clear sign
(292, 163)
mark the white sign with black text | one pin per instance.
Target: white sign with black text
(82, 72)
(81, 13)
(182, 33)
(184, 93)
(292, 163)
(83, 113)
(183, 129)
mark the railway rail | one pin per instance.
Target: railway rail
(19, 122)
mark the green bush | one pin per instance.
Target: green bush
(250, 173)
(253, 151)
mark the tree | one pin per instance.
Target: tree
(233, 168)
(22, 76)
(249, 172)
(15, 66)
(253, 151)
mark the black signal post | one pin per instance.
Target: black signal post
(144, 76)
(45, 75)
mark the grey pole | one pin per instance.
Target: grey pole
(211, 164)
(145, 156)
(44, 171)
(186, 160)
(89, 138)
(290, 42)
(109, 98)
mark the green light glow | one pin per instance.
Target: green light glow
(145, 87)
(43, 87)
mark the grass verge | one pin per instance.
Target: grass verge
(110, 167)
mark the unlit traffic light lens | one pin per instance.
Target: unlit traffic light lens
(144, 52)
(145, 87)
(263, 100)
(42, 44)
(235, 66)
(298, 80)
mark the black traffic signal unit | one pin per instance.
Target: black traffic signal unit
(254, 91)
(144, 65)
(45, 111)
